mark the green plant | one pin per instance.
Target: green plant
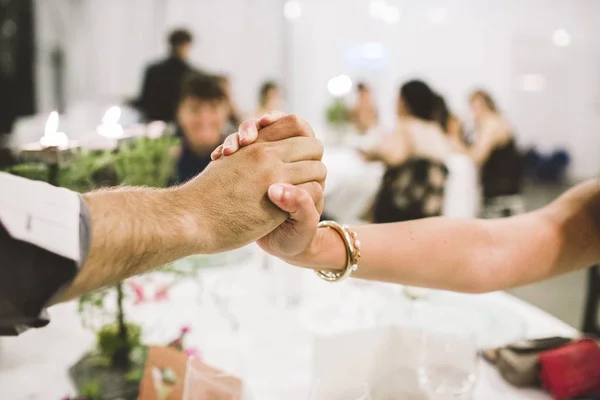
(146, 162)
(337, 113)
(110, 343)
(91, 390)
(33, 171)
(88, 170)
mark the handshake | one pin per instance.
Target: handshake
(265, 184)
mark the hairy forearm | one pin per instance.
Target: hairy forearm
(133, 231)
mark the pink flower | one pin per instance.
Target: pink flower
(162, 294)
(138, 290)
(185, 329)
(192, 352)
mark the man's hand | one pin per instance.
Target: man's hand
(239, 211)
(304, 203)
(225, 207)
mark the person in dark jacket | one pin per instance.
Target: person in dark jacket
(162, 80)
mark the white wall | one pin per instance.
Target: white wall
(109, 42)
(483, 43)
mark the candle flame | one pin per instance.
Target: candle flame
(111, 116)
(51, 124)
(51, 137)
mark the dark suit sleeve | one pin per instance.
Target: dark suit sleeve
(32, 275)
(145, 95)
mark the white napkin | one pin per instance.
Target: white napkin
(384, 358)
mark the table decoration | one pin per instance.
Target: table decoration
(52, 150)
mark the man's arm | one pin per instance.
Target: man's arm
(225, 207)
(137, 229)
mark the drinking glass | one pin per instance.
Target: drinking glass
(448, 361)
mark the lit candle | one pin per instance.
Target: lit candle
(53, 138)
(110, 127)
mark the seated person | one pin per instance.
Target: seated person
(364, 115)
(495, 149)
(415, 156)
(202, 117)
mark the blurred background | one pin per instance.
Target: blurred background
(499, 101)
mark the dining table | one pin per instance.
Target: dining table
(258, 318)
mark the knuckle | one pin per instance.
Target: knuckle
(259, 153)
(294, 120)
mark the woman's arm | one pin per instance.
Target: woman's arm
(483, 146)
(473, 255)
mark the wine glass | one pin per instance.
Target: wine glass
(448, 364)
(348, 389)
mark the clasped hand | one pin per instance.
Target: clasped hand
(302, 202)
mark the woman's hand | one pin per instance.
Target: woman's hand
(295, 237)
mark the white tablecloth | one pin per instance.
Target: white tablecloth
(272, 350)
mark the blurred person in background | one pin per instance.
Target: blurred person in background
(494, 149)
(233, 114)
(162, 80)
(269, 98)
(364, 115)
(461, 194)
(413, 185)
(450, 124)
(202, 120)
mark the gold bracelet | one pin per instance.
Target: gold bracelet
(352, 243)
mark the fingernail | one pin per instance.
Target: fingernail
(276, 192)
(252, 130)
